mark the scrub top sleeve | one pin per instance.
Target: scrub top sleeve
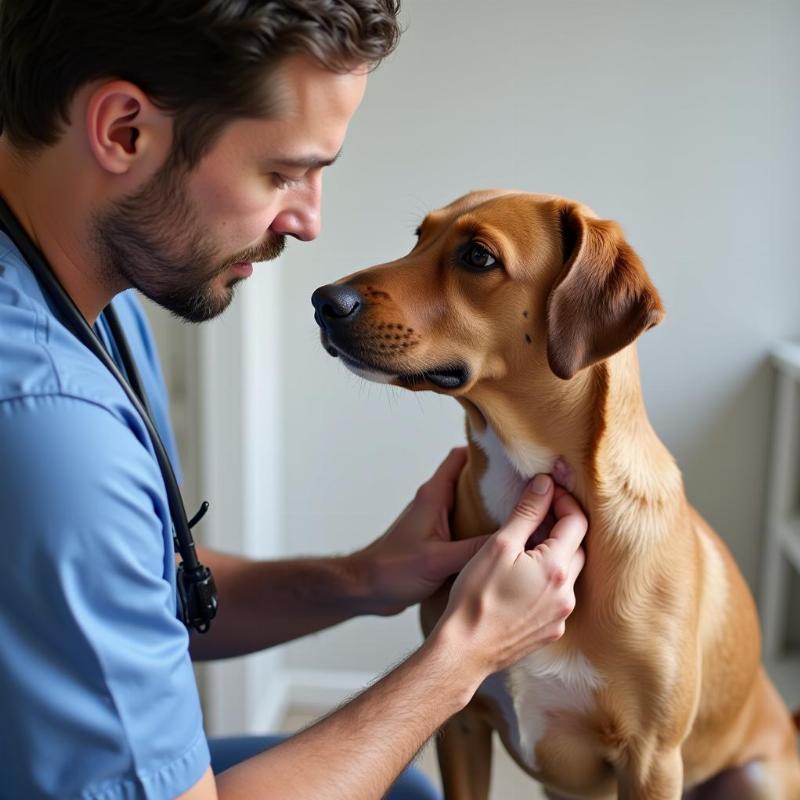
(97, 694)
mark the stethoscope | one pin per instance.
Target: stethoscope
(197, 594)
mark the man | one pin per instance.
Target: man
(167, 146)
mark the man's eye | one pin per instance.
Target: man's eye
(284, 181)
(476, 256)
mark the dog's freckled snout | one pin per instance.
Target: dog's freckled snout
(376, 294)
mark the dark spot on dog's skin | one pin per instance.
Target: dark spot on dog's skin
(393, 337)
(524, 313)
(527, 338)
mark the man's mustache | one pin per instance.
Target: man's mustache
(265, 251)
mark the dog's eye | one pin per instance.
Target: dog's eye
(476, 256)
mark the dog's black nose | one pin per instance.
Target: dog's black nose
(336, 302)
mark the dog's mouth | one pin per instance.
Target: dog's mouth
(448, 376)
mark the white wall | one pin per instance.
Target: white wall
(678, 119)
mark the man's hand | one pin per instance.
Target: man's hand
(406, 565)
(415, 556)
(509, 600)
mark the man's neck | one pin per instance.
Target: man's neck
(45, 199)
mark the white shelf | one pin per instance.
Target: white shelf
(790, 539)
(785, 674)
(786, 357)
(782, 548)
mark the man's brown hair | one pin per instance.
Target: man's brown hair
(203, 61)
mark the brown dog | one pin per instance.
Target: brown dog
(525, 308)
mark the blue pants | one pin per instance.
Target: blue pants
(225, 752)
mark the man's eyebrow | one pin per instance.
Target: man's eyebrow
(304, 162)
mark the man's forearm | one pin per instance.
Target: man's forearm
(357, 751)
(264, 603)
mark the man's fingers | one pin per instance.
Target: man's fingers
(448, 471)
(565, 504)
(576, 565)
(570, 528)
(440, 488)
(529, 512)
(458, 553)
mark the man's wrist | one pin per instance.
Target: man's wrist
(448, 648)
(364, 585)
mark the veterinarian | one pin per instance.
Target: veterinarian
(166, 147)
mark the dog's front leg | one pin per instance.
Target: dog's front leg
(659, 778)
(464, 746)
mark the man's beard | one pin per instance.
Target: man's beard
(154, 241)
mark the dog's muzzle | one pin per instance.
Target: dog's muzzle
(337, 309)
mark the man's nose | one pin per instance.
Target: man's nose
(300, 216)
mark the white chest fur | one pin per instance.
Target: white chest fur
(549, 681)
(508, 471)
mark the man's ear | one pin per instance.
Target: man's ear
(123, 127)
(602, 299)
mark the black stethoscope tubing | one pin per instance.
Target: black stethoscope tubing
(195, 585)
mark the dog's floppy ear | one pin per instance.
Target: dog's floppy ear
(603, 298)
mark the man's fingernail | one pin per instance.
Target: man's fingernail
(541, 484)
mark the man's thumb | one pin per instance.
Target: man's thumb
(530, 510)
(462, 550)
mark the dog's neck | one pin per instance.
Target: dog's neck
(597, 425)
(631, 465)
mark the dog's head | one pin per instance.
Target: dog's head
(498, 282)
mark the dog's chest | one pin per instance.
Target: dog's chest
(536, 692)
(549, 683)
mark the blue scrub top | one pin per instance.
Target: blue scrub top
(97, 694)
